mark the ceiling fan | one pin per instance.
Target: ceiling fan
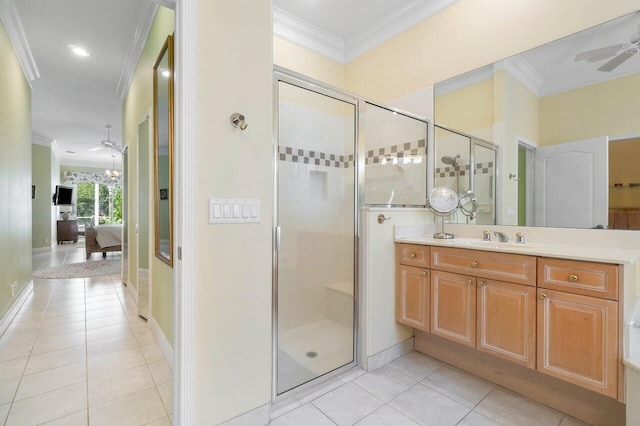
(622, 53)
(108, 143)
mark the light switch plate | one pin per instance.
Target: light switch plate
(234, 210)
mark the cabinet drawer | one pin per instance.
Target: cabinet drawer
(413, 255)
(573, 276)
(515, 268)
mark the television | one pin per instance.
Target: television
(63, 196)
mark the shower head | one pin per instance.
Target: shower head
(451, 160)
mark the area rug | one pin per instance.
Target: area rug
(94, 268)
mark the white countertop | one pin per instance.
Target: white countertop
(563, 251)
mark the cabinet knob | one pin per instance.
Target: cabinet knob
(412, 255)
(573, 277)
(474, 264)
(481, 284)
(424, 273)
(543, 295)
(468, 281)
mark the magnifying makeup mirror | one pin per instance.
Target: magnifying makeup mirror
(443, 200)
(468, 203)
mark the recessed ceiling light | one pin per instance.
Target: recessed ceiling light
(71, 152)
(79, 50)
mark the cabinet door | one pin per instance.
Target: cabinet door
(412, 297)
(453, 307)
(507, 321)
(578, 341)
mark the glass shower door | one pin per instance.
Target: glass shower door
(315, 235)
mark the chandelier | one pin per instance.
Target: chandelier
(113, 173)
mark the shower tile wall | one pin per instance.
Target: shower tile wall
(313, 187)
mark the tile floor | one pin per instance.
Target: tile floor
(415, 390)
(77, 353)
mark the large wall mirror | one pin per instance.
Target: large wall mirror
(163, 152)
(566, 119)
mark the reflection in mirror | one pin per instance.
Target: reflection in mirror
(457, 154)
(163, 152)
(395, 162)
(566, 117)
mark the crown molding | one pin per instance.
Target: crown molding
(577, 80)
(13, 26)
(307, 35)
(464, 80)
(134, 52)
(518, 67)
(391, 24)
(37, 139)
(56, 151)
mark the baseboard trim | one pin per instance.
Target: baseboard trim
(37, 250)
(15, 307)
(385, 356)
(165, 346)
(133, 292)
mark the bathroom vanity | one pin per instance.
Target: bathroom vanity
(546, 320)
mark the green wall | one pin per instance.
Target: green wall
(15, 175)
(42, 208)
(144, 195)
(522, 186)
(137, 104)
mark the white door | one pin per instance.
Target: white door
(571, 184)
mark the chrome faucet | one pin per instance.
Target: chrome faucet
(502, 237)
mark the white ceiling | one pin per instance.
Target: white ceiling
(75, 97)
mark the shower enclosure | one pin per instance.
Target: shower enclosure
(464, 162)
(322, 152)
(315, 233)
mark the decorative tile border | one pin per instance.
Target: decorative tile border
(374, 156)
(296, 155)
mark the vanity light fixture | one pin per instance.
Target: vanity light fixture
(79, 51)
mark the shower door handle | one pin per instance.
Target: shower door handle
(277, 238)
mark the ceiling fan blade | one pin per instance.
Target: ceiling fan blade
(95, 149)
(601, 53)
(618, 60)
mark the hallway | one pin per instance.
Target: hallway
(77, 353)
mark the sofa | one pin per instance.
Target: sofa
(92, 245)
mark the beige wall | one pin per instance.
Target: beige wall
(308, 63)
(233, 262)
(41, 207)
(609, 108)
(467, 109)
(15, 175)
(468, 35)
(137, 104)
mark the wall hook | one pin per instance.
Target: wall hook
(381, 218)
(237, 120)
(513, 177)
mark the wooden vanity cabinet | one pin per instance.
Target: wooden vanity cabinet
(578, 326)
(557, 316)
(506, 321)
(492, 316)
(413, 285)
(453, 307)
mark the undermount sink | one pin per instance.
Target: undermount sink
(478, 242)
